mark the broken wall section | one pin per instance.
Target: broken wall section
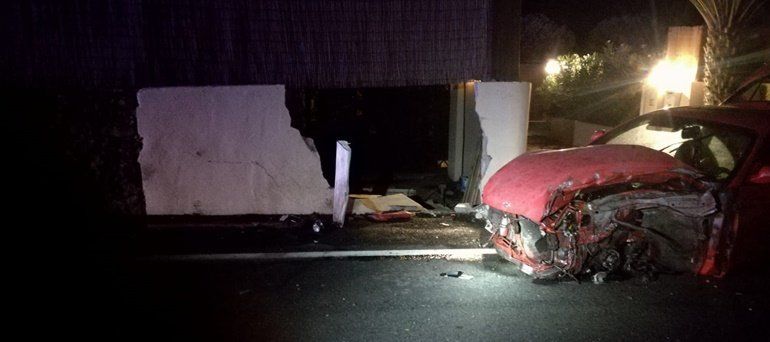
(503, 110)
(226, 151)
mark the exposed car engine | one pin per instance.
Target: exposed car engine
(620, 230)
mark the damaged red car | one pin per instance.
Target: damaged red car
(679, 190)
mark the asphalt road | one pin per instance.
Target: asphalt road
(406, 299)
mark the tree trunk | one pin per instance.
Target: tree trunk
(719, 75)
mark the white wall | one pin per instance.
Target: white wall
(226, 151)
(503, 109)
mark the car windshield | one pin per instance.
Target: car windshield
(713, 148)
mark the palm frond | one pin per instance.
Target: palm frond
(726, 14)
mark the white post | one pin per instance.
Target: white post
(341, 186)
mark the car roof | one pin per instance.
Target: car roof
(755, 120)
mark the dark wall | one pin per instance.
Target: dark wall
(80, 149)
(131, 44)
(64, 56)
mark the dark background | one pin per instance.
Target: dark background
(582, 16)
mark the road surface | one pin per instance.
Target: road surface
(398, 299)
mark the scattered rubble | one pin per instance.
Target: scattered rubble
(377, 203)
(458, 274)
(391, 208)
(391, 216)
(464, 208)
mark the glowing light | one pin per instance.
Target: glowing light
(552, 67)
(675, 76)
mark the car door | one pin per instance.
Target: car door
(752, 247)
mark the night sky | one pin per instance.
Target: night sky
(581, 16)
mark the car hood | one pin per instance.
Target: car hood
(527, 184)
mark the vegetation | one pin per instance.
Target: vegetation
(726, 21)
(601, 87)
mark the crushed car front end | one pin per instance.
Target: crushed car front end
(601, 210)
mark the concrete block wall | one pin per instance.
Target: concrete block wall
(226, 151)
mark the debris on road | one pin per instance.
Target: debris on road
(599, 277)
(391, 216)
(438, 206)
(458, 274)
(362, 204)
(318, 225)
(391, 208)
(464, 208)
(393, 202)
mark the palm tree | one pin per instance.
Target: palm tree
(725, 20)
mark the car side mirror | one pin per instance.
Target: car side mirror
(597, 134)
(762, 176)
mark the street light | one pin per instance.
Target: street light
(673, 76)
(552, 67)
(669, 84)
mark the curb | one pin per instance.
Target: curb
(453, 253)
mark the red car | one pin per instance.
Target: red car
(683, 189)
